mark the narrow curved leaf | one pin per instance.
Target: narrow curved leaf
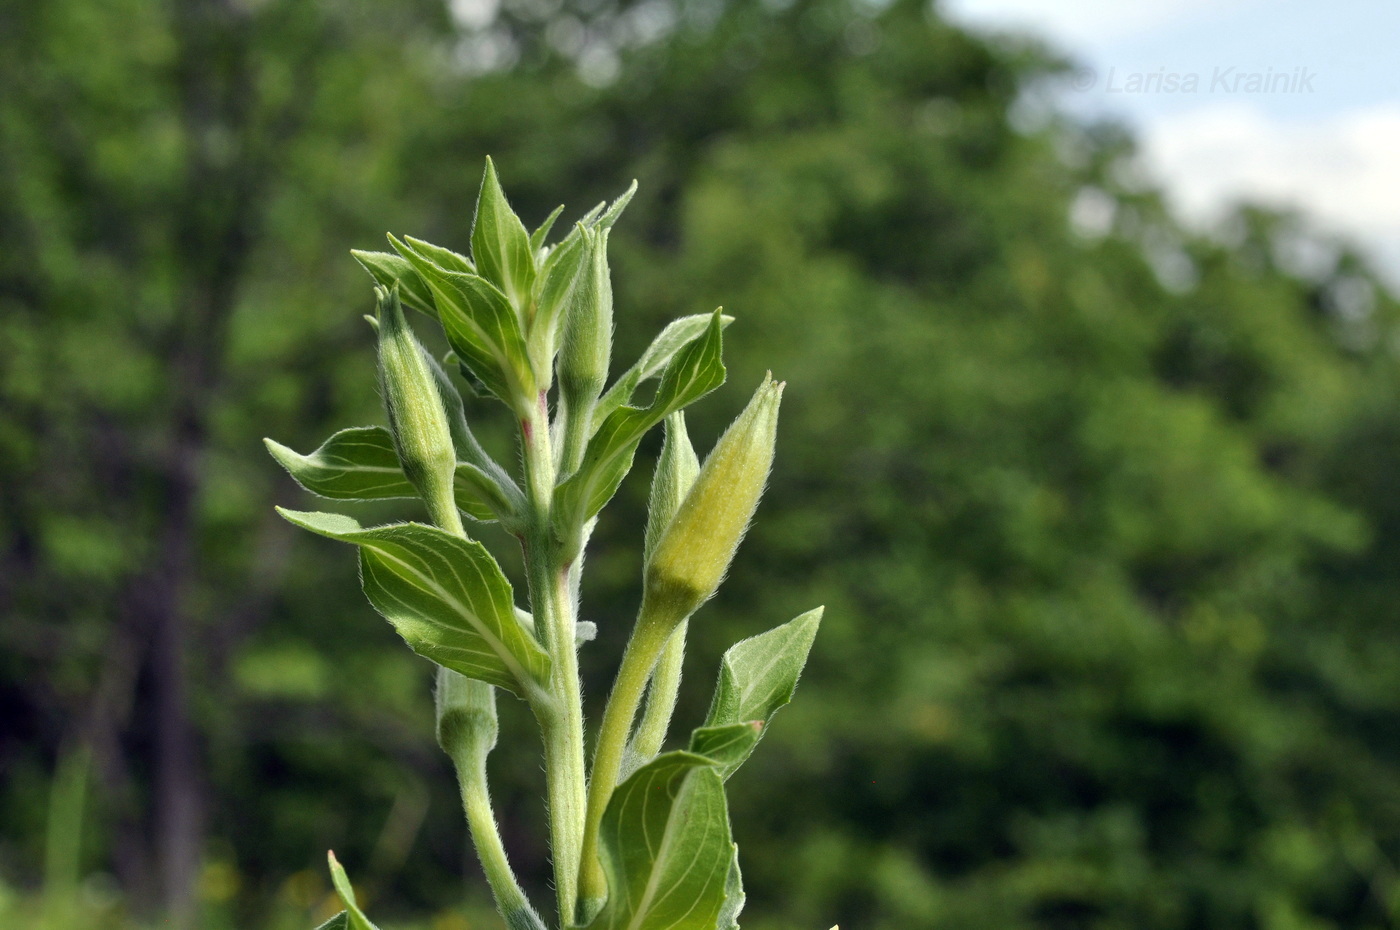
(759, 675)
(446, 597)
(693, 372)
(389, 269)
(614, 212)
(559, 279)
(666, 847)
(446, 259)
(677, 335)
(541, 233)
(355, 918)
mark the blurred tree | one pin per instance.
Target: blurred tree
(180, 183)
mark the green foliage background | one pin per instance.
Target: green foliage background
(1105, 520)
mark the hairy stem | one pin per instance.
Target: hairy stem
(561, 720)
(470, 763)
(661, 704)
(638, 660)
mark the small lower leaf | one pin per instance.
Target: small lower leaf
(666, 847)
(340, 921)
(757, 676)
(734, 896)
(355, 918)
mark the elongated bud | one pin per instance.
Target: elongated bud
(466, 714)
(690, 559)
(417, 418)
(675, 475)
(587, 342)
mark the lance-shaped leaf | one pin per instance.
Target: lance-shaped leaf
(445, 595)
(734, 896)
(389, 269)
(676, 336)
(757, 676)
(482, 498)
(693, 372)
(500, 244)
(541, 233)
(614, 211)
(355, 918)
(357, 464)
(559, 280)
(340, 921)
(445, 259)
(360, 464)
(665, 847)
(480, 325)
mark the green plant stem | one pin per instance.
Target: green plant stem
(638, 660)
(561, 720)
(470, 763)
(469, 760)
(661, 704)
(442, 509)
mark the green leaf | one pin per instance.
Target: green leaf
(389, 269)
(357, 464)
(360, 464)
(606, 221)
(676, 336)
(665, 847)
(759, 675)
(481, 327)
(559, 280)
(481, 497)
(355, 918)
(539, 235)
(727, 746)
(445, 259)
(340, 921)
(475, 385)
(446, 597)
(734, 896)
(500, 244)
(693, 372)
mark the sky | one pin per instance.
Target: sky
(1294, 103)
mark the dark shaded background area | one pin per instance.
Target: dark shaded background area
(1104, 515)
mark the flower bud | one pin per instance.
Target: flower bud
(690, 559)
(586, 347)
(675, 475)
(417, 419)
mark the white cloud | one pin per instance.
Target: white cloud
(1080, 22)
(1339, 169)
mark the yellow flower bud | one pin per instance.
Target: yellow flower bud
(692, 556)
